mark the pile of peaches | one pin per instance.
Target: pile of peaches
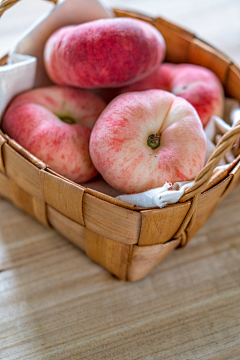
(151, 131)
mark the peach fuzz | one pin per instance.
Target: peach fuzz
(103, 53)
(198, 85)
(54, 124)
(130, 159)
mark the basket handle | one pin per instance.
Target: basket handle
(6, 4)
(194, 192)
(224, 145)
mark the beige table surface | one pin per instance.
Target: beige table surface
(55, 303)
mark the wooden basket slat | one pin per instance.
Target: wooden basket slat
(3, 60)
(132, 14)
(174, 27)
(110, 199)
(159, 226)
(177, 44)
(216, 178)
(95, 193)
(22, 171)
(4, 188)
(145, 258)
(111, 221)
(232, 83)
(30, 204)
(2, 141)
(73, 231)
(26, 154)
(21, 198)
(235, 173)
(62, 195)
(207, 203)
(40, 210)
(112, 255)
(221, 174)
(203, 54)
(211, 196)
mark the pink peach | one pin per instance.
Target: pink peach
(54, 124)
(144, 139)
(198, 85)
(103, 53)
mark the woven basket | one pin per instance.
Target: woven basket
(127, 240)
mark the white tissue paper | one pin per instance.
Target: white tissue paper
(159, 197)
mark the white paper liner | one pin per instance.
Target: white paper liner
(25, 70)
(158, 197)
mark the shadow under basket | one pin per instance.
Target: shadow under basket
(127, 240)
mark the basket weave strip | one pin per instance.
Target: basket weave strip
(188, 221)
(160, 225)
(213, 58)
(6, 4)
(145, 258)
(26, 154)
(2, 141)
(232, 82)
(67, 227)
(3, 60)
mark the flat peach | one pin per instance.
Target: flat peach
(144, 139)
(103, 53)
(54, 124)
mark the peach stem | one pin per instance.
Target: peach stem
(153, 141)
(67, 120)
